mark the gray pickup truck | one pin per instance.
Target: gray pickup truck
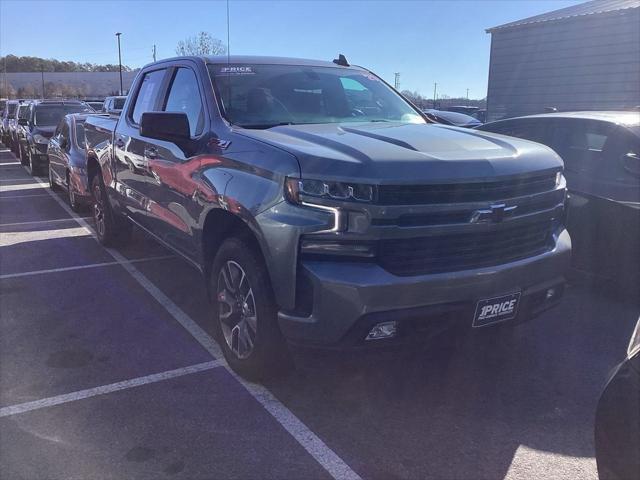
(323, 209)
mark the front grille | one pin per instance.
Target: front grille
(455, 252)
(464, 192)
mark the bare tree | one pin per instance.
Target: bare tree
(202, 44)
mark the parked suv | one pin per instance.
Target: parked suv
(113, 105)
(44, 116)
(8, 114)
(21, 112)
(325, 210)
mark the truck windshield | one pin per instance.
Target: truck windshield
(50, 115)
(263, 96)
(12, 110)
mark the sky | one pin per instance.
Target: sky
(428, 41)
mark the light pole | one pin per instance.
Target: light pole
(119, 60)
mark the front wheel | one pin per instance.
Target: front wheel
(245, 312)
(110, 230)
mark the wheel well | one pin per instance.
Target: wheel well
(218, 226)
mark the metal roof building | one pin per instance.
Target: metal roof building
(584, 57)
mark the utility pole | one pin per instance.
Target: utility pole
(396, 83)
(119, 60)
(154, 52)
(467, 94)
(42, 77)
(435, 90)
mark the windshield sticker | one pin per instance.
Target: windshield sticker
(237, 70)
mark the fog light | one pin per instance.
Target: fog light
(550, 294)
(382, 330)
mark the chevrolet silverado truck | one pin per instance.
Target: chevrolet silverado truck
(323, 208)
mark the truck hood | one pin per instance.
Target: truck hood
(400, 153)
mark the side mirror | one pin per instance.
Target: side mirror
(23, 121)
(63, 143)
(169, 126)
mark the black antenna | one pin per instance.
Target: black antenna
(341, 60)
(228, 60)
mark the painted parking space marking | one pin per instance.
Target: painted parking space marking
(5, 197)
(318, 449)
(13, 238)
(39, 222)
(20, 187)
(82, 267)
(104, 389)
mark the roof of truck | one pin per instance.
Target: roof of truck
(262, 60)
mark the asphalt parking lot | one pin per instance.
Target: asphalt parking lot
(108, 370)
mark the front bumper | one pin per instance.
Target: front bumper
(346, 298)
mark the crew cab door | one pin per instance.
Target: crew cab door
(173, 207)
(130, 149)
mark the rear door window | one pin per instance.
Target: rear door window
(147, 97)
(580, 143)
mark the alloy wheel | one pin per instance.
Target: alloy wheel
(237, 309)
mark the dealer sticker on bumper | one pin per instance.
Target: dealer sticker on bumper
(496, 309)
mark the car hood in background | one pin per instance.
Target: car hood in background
(387, 153)
(46, 132)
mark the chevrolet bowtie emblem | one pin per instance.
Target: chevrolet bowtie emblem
(494, 214)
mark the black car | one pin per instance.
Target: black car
(44, 117)
(601, 153)
(452, 118)
(68, 160)
(617, 430)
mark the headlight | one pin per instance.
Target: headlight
(559, 179)
(40, 139)
(296, 188)
(634, 344)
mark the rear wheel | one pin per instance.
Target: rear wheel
(245, 312)
(22, 155)
(52, 184)
(110, 229)
(33, 168)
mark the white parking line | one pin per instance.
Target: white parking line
(112, 387)
(320, 451)
(81, 267)
(20, 186)
(4, 197)
(14, 238)
(40, 222)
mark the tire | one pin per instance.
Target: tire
(52, 184)
(73, 200)
(34, 171)
(110, 230)
(241, 290)
(22, 155)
